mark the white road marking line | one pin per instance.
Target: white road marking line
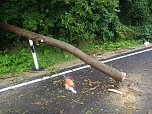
(124, 56)
(69, 71)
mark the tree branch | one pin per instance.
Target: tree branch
(115, 74)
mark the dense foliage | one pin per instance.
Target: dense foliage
(75, 21)
(72, 21)
(138, 15)
(136, 12)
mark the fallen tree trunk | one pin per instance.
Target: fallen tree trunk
(115, 74)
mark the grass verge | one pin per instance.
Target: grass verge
(20, 59)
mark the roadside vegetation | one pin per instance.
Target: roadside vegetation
(103, 25)
(20, 59)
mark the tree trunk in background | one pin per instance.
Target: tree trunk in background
(115, 74)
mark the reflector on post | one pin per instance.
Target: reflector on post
(34, 55)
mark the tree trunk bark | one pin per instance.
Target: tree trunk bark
(115, 74)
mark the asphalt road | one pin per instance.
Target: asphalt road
(50, 97)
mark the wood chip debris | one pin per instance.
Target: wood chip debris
(115, 91)
(90, 83)
(91, 89)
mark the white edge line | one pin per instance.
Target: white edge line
(124, 56)
(69, 71)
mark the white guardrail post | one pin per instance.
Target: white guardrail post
(34, 55)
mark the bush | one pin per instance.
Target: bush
(145, 32)
(138, 15)
(150, 6)
(72, 21)
(135, 12)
